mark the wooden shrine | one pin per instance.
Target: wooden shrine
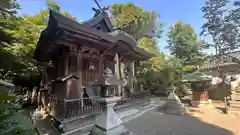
(74, 56)
(200, 83)
(200, 92)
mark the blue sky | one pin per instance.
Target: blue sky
(170, 10)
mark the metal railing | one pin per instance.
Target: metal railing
(81, 107)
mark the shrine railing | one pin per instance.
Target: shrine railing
(141, 94)
(134, 98)
(81, 107)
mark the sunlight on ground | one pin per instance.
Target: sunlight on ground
(216, 117)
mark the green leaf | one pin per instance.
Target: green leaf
(4, 96)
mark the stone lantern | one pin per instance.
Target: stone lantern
(108, 84)
(173, 104)
(108, 122)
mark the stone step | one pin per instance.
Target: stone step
(235, 104)
(234, 109)
(77, 123)
(234, 112)
(85, 130)
(136, 113)
(130, 105)
(235, 97)
(128, 112)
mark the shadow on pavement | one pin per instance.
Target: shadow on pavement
(157, 123)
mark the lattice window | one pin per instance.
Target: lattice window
(90, 69)
(110, 65)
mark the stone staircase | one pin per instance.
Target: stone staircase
(235, 96)
(233, 106)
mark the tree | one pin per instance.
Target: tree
(8, 7)
(222, 24)
(7, 125)
(8, 22)
(183, 44)
(143, 25)
(135, 20)
(7, 10)
(153, 64)
(22, 69)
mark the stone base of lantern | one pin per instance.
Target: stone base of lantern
(108, 123)
(173, 105)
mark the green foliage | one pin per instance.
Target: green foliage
(8, 126)
(143, 25)
(53, 6)
(155, 63)
(4, 96)
(8, 7)
(183, 44)
(136, 21)
(157, 73)
(187, 53)
(222, 23)
(17, 63)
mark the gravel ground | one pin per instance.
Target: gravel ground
(195, 123)
(218, 118)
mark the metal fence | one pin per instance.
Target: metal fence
(81, 107)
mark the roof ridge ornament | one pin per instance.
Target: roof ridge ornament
(100, 9)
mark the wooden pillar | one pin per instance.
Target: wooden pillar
(80, 75)
(101, 66)
(66, 64)
(117, 72)
(66, 72)
(133, 68)
(130, 76)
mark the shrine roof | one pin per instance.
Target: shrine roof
(7, 84)
(197, 77)
(67, 77)
(99, 28)
(228, 62)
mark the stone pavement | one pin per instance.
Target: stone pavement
(156, 123)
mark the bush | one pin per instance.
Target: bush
(7, 111)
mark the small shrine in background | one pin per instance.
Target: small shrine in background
(200, 84)
(225, 67)
(220, 72)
